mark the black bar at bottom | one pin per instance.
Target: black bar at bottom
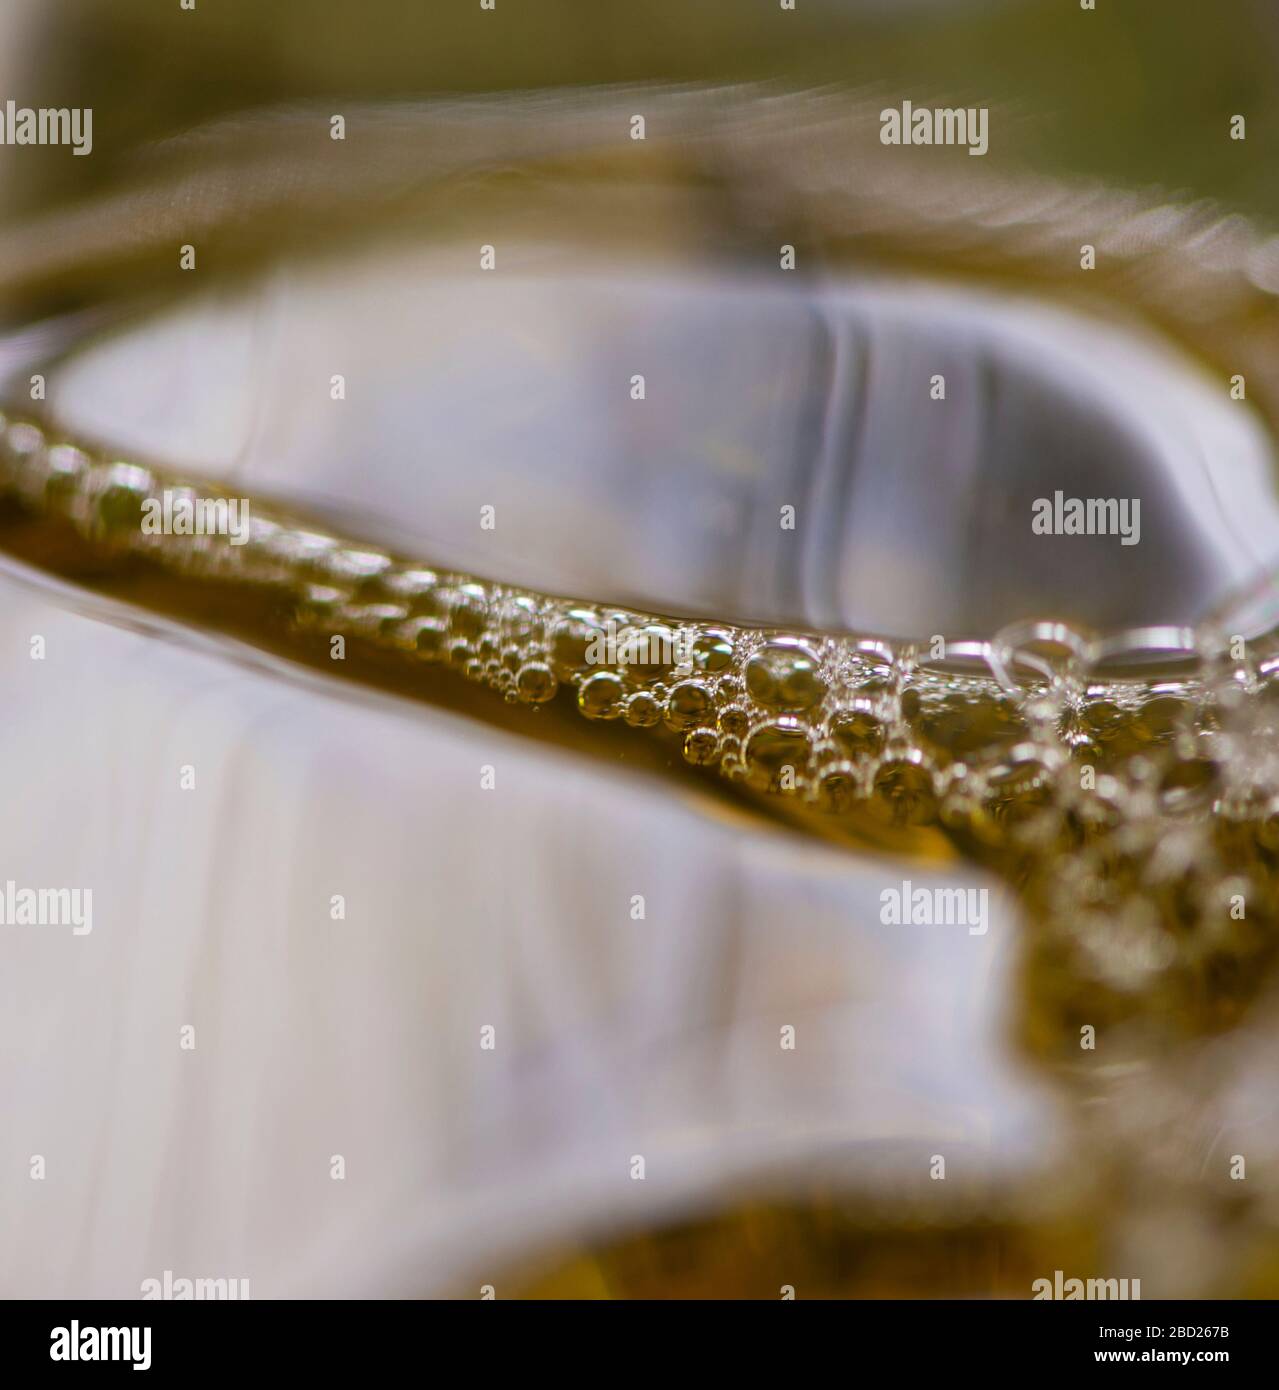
(164, 1339)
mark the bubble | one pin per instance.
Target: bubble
(785, 676)
(1161, 719)
(414, 586)
(305, 551)
(425, 637)
(380, 621)
(1020, 786)
(569, 640)
(536, 683)
(320, 604)
(1102, 718)
(1086, 751)
(712, 651)
(643, 710)
(773, 748)
(646, 653)
(858, 730)
(904, 791)
(67, 468)
(518, 616)
(837, 790)
(360, 567)
(468, 610)
(961, 725)
(600, 696)
(119, 505)
(734, 721)
(701, 746)
(687, 704)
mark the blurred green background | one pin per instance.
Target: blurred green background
(1137, 91)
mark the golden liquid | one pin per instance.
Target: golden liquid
(863, 747)
(1069, 785)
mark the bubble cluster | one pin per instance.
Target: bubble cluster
(1108, 798)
